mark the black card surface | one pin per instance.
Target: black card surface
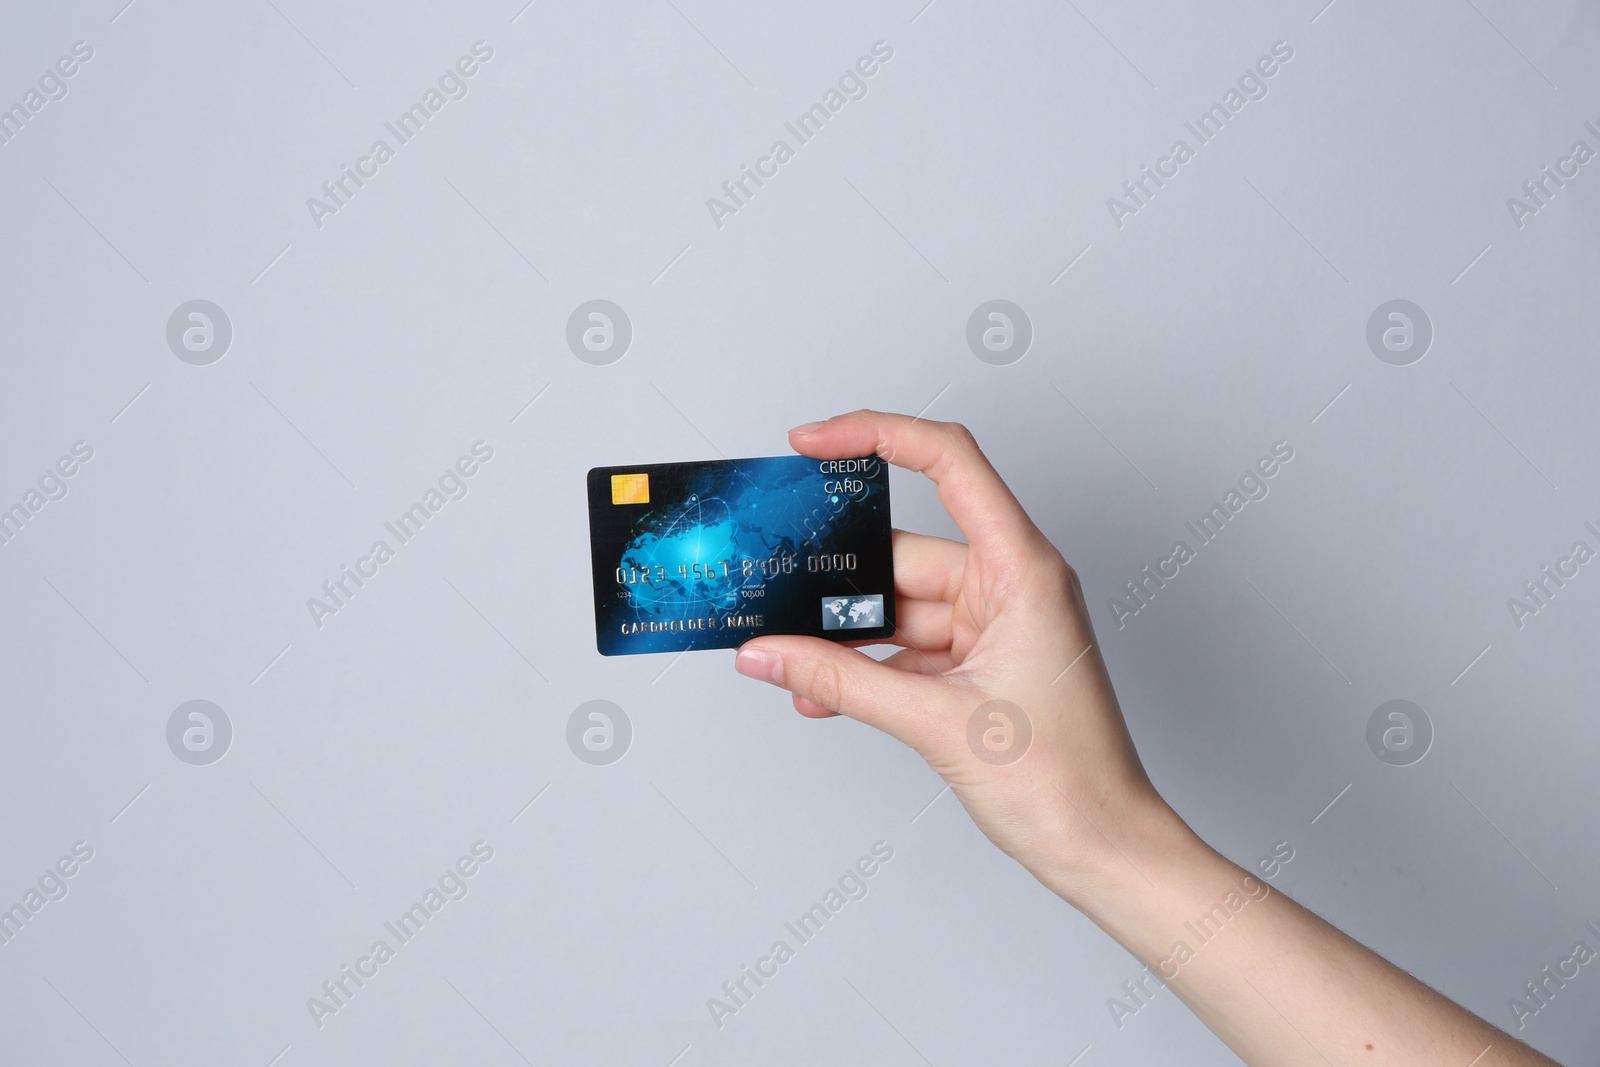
(710, 554)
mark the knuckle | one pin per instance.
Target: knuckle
(1074, 590)
(961, 436)
(1068, 573)
(1052, 578)
(956, 449)
(826, 685)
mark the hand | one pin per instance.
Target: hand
(1001, 618)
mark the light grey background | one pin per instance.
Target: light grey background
(368, 354)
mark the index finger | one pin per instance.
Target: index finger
(969, 487)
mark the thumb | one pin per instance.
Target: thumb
(847, 681)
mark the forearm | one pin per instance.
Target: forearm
(1276, 983)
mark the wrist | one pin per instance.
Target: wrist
(1161, 874)
(1125, 852)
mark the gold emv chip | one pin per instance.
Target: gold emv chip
(630, 489)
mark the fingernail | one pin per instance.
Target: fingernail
(760, 664)
(807, 427)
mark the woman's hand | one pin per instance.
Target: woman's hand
(1001, 689)
(999, 685)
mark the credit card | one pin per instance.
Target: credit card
(710, 554)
